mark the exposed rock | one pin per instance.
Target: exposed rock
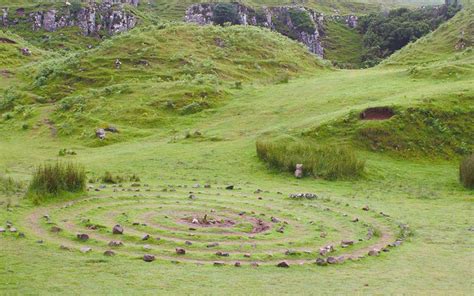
(188, 243)
(254, 264)
(299, 171)
(283, 264)
(282, 19)
(117, 229)
(365, 208)
(212, 245)
(180, 251)
(148, 258)
(65, 248)
(146, 237)
(237, 264)
(108, 16)
(2, 230)
(247, 255)
(219, 263)
(222, 254)
(275, 220)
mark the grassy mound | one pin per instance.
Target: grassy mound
(426, 130)
(322, 161)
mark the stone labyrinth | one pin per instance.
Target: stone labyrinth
(219, 225)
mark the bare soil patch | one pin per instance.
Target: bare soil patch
(377, 113)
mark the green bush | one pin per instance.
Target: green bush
(327, 162)
(52, 180)
(225, 13)
(466, 172)
(302, 20)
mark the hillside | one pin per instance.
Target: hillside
(170, 158)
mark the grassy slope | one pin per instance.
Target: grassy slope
(437, 260)
(343, 45)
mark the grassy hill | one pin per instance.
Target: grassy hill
(189, 104)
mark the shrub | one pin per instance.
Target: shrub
(327, 162)
(466, 172)
(51, 180)
(302, 20)
(225, 13)
(111, 179)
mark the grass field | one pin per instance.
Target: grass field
(172, 153)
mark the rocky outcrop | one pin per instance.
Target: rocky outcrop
(107, 17)
(299, 23)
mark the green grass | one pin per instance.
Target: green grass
(422, 192)
(342, 45)
(324, 161)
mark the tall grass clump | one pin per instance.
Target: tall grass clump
(52, 180)
(321, 161)
(466, 172)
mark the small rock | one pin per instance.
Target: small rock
(254, 264)
(86, 249)
(355, 220)
(82, 237)
(374, 252)
(148, 258)
(192, 196)
(299, 171)
(65, 248)
(219, 263)
(195, 221)
(115, 244)
(275, 220)
(331, 260)
(283, 264)
(212, 245)
(146, 237)
(366, 208)
(237, 264)
(109, 253)
(180, 251)
(347, 242)
(230, 187)
(222, 254)
(117, 229)
(321, 262)
(146, 247)
(188, 243)
(2, 230)
(55, 229)
(247, 255)
(21, 235)
(13, 229)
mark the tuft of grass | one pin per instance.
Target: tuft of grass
(466, 172)
(51, 180)
(322, 161)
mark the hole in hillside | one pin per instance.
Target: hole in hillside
(377, 113)
(6, 40)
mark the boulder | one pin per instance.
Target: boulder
(222, 254)
(219, 263)
(212, 245)
(2, 230)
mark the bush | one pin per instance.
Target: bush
(327, 162)
(225, 13)
(466, 172)
(51, 180)
(111, 179)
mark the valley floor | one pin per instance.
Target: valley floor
(425, 194)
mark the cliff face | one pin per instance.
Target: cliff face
(109, 17)
(301, 24)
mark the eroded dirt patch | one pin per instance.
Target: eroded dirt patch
(377, 113)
